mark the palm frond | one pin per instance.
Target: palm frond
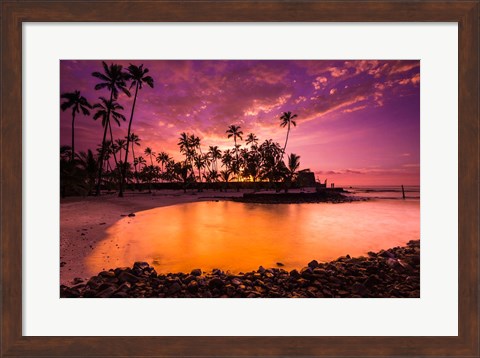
(99, 86)
(100, 76)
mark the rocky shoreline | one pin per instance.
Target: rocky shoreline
(388, 273)
(322, 196)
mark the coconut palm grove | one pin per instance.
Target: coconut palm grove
(239, 179)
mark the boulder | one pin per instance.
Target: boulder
(294, 273)
(128, 277)
(216, 283)
(107, 292)
(174, 288)
(196, 272)
(141, 265)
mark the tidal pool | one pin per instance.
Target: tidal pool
(240, 237)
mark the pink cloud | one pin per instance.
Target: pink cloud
(319, 82)
(354, 109)
(204, 97)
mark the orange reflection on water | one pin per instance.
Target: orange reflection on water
(241, 237)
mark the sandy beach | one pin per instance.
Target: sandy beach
(84, 221)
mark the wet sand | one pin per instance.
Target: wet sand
(84, 221)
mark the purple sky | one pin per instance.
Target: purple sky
(358, 121)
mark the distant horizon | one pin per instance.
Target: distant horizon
(358, 121)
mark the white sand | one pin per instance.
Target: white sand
(84, 221)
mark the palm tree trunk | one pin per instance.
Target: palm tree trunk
(114, 153)
(111, 140)
(102, 152)
(286, 140)
(135, 165)
(100, 161)
(124, 169)
(73, 135)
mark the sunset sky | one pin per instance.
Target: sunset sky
(358, 121)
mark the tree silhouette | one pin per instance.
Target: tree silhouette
(235, 132)
(78, 103)
(114, 79)
(148, 151)
(252, 139)
(187, 148)
(291, 170)
(225, 175)
(105, 110)
(134, 141)
(182, 173)
(88, 164)
(137, 76)
(163, 159)
(215, 153)
(120, 144)
(286, 120)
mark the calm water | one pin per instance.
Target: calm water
(385, 192)
(241, 237)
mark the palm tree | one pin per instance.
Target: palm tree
(291, 171)
(114, 79)
(186, 148)
(141, 161)
(107, 149)
(163, 158)
(77, 102)
(200, 162)
(225, 175)
(182, 173)
(253, 166)
(215, 153)
(270, 153)
(121, 144)
(135, 141)
(106, 109)
(136, 74)
(88, 164)
(170, 170)
(211, 177)
(148, 151)
(227, 159)
(287, 118)
(252, 139)
(235, 132)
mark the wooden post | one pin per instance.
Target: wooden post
(403, 193)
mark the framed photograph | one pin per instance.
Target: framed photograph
(238, 179)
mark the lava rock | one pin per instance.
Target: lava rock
(127, 277)
(216, 283)
(196, 272)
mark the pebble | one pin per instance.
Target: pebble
(196, 272)
(389, 273)
(127, 277)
